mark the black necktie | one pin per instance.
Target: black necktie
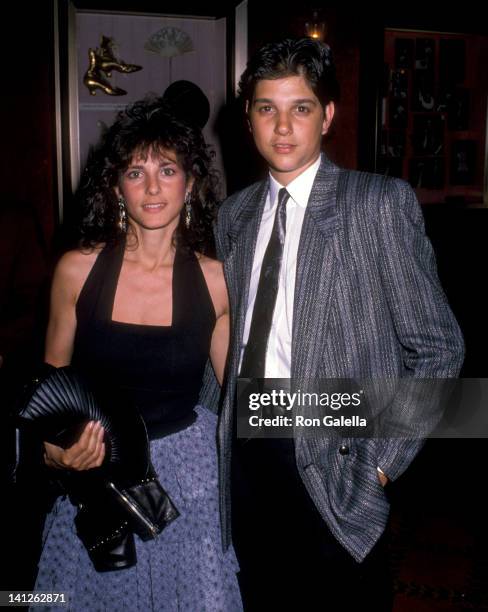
(254, 358)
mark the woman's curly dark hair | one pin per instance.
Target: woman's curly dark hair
(144, 127)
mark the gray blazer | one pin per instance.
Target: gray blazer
(368, 304)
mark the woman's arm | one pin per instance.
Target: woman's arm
(70, 275)
(62, 316)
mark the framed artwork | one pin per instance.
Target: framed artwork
(432, 110)
(109, 59)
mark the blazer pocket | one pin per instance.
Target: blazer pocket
(350, 497)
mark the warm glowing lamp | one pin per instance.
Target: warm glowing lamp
(315, 28)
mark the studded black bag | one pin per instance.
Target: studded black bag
(122, 497)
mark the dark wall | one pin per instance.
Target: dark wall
(28, 171)
(27, 179)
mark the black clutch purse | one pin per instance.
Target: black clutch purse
(120, 498)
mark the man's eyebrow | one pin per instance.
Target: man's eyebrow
(299, 101)
(306, 101)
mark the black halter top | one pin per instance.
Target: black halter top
(159, 369)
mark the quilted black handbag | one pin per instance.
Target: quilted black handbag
(120, 498)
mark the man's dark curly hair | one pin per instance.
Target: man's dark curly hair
(305, 57)
(145, 127)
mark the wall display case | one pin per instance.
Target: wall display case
(433, 115)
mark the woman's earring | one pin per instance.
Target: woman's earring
(122, 223)
(187, 209)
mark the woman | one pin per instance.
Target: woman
(138, 309)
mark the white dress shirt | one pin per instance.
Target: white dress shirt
(278, 354)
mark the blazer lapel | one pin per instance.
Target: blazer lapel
(316, 273)
(238, 265)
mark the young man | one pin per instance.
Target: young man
(330, 275)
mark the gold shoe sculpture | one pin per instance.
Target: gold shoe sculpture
(101, 62)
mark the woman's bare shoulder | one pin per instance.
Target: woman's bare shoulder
(74, 266)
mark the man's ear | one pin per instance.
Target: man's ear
(247, 116)
(329, 115)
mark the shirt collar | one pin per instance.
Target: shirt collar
(299, 188)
